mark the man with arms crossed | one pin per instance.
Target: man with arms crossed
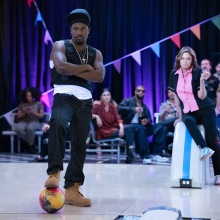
(74, 67)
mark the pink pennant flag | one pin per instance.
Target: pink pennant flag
(45, 99)
(196, 31)
(47, 37)
(38, 18)
(30, 2)
(137, 56)
(176, 40)
(117, 65)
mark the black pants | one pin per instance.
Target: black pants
(67, 111)
(207, 118)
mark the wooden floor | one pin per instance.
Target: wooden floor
(115, 189)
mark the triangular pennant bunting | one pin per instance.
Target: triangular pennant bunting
(137, 56)
(38, 18)
(47, 37)
(45, 99)
(29, 2)
(117, 65)
(216, 22)
(9, 117)
(176, 40)
(196, 31)
(156, 48)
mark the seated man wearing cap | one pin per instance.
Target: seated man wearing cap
(74, 67)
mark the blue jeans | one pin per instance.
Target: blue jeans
(67, 111)
(159, 138)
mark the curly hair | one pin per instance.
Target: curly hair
(35, 92)
(190, 51)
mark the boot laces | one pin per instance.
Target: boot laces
(76, 188)
(56, 175)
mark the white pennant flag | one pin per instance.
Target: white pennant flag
(9, 117)
(137, 56)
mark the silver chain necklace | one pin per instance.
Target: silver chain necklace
(82, 60)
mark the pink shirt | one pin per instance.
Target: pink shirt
(185, 92)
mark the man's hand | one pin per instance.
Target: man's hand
(138, 109)
(144, 121)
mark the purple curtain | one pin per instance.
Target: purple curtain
(118, 28)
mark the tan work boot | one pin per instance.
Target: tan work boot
(53, 180)
(74, 197)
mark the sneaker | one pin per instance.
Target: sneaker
(53, 180)
(158, 158)
(147, 161)
(217, 180)
(74, 197)
(206, 152)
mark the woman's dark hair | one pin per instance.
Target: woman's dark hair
(188, 50)
(112, 100)
(35, 92)
(105, 90)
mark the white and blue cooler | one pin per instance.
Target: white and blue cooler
(187, 169)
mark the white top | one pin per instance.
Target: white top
(135, 118)
(78, 91)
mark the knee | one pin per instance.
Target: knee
(30, 130)
(159, 129)
(142, 130)
(188, 120)
(58, 123)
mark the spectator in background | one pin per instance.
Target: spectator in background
(135, 113)
(212, 82)
(217, 68)
(95, 102)
(109, 124)
(217, 109)
(168, 112)
(44, 151)
(212, 85)
(30, 111)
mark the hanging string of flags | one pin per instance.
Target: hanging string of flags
(39, 18)
(195, 29)
(155, 47)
